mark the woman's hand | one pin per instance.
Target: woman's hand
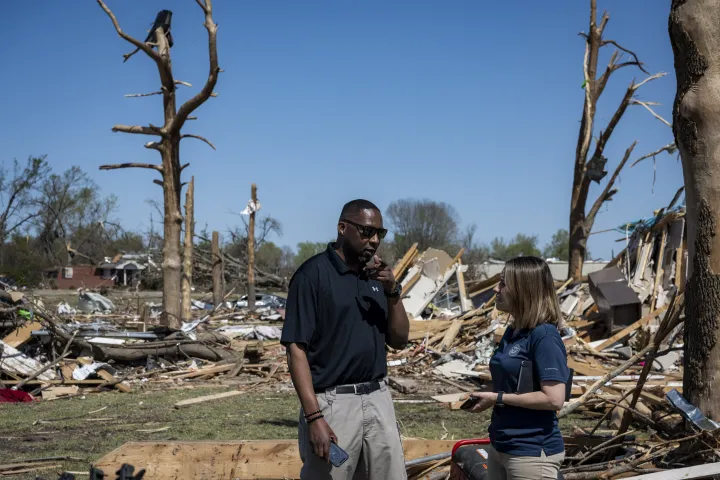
(487, 400)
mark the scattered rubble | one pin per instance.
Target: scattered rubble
(623, 330)
(100, 346)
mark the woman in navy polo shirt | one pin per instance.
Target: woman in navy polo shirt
(526, 440)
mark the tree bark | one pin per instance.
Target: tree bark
(171, 262)
(188, 251)
(217, 270)
(251, 251)
(695, 39)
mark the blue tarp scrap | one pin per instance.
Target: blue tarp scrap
(646, 223)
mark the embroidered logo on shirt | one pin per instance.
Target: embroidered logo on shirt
(375, 289)
(514, 350)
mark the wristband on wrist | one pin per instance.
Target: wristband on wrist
(309, 421)
(311, 414)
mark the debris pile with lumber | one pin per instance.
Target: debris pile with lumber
(623, 331)
(58, 355)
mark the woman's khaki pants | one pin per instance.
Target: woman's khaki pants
(502, 466)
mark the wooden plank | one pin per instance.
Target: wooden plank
(451, 334)
(55, 392)
(21, 335)
(208, 398)
(659, 268)
(207, 371)
(585, 368)
(402, 265)
(16, 363)
(108, 377)
(419, 329)
(697, 471)
(241, 459)
(465, 304)
(630, 329)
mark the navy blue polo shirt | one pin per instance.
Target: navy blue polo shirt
(522, 431)
(341, 316)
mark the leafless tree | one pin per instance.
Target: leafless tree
(695, 42)
(168, 144)
(18, 191)
(589, 166)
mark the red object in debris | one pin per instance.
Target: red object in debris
(14, 396)
(469, 464)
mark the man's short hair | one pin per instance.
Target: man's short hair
(354, 207)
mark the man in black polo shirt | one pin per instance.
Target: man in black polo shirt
(343, 306)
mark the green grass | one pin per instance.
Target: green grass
(67, 428)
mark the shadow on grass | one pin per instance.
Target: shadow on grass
(283, 422)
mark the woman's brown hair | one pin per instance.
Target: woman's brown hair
(531, 293)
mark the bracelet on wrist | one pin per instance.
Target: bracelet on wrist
(309, 421)
(311, 414)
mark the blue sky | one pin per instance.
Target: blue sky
(472, 103)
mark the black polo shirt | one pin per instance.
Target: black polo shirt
(341, 316)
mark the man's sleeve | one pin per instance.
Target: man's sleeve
(550, 359)
(300, 311)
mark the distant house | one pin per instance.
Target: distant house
(122, 270)
(76, 276)
(125, 271)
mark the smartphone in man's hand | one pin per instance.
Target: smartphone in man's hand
(338, 456)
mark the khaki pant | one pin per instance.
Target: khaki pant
(502, 466)
(366, 429)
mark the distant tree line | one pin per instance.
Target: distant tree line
(51, 219)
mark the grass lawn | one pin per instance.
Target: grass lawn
(68, 428)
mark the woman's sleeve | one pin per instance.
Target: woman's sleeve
(550, 359)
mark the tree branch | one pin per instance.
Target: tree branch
(135, 95)
(138, 130)
(192, 104)
(670, 148)
(159, 168)
(189, 135)
(647, 106)
(636, 62)
(138, 44)
(154, 146)
(607, 191)
(650, 79)
(605, 135)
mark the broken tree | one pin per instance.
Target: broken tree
(591, 169)
(157, 47)
(188, 251)
(251, 249)
(694, 37)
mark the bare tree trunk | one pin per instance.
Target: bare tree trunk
(157, 48)
(695, 38)
(590, 166)
(188, 252)
(251, 251)
(217, 270)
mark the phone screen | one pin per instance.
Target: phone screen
(338, 456)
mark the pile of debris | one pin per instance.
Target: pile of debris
(623, 330)
(92, 348)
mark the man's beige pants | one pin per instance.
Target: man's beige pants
(502, 466)
(366, 429)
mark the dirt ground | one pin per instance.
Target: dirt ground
(86, 428)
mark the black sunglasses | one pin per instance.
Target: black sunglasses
(366, 231)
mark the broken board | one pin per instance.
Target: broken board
(15, 363)
(22, 334)
(240, 459)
